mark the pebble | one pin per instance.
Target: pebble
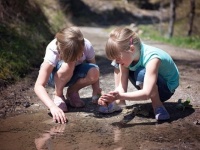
(2, 113)
(26, 104)
(1, 105)
(197, 122)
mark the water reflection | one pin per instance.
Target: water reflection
(45, 140)
(117, 137)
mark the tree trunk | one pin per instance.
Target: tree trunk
(161, 17)
(192, 14)
(172, 17)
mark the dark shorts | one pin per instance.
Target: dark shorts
(137, 78)
(80, 71)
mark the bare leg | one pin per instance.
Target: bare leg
(96, 88)
(158, 107)
(155, 98)
(62, 76)
(90, 79)
(96, 93)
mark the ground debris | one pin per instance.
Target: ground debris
(183, 105)
(197, 122)
(140, 111)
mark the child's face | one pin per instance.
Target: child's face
(125, 58)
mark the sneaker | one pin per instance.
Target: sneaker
(60, 102)
(75, 100)
(161, 113)
(95, 98)
(112, 107)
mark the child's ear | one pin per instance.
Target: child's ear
(132, 48)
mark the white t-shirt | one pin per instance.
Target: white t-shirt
(52, 55)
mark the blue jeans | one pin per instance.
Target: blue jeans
(137, 78)
(80, 71)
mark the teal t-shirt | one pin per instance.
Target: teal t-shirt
(167, 69)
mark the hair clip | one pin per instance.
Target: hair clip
(131, 41)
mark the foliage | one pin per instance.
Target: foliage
(183, 105)
(151, 32)
(25, 30)
(17, 53)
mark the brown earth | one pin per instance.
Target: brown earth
(26, 123)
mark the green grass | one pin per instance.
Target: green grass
(18, 53)
(152, 32)
(24, 40)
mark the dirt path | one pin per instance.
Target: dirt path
(25, 122)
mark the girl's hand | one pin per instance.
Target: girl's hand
(102, 102)
(115, 94)
(108, 98)
(58, 115)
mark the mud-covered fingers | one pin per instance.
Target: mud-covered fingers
(106, 99)
(63, 118)
(99, 102)
(56, 118)
(113, 93)
(111, 96)
(102, 102)
(108, 96)
(60, 117)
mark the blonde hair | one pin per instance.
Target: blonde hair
(70, 43)
(119, 40)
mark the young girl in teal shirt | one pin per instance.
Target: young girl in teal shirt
(151, 70)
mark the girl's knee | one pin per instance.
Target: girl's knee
(93, 74)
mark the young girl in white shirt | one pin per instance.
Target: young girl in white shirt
(69, 62)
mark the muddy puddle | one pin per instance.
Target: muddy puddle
(89, 131)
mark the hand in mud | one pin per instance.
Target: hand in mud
(108, 98)
(58, 115)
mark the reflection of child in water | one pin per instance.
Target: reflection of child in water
(44, 142)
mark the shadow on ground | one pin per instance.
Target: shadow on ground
(82, 14)
(144, 112)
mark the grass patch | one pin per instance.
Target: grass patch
(24, 37)
(18, 52)
(151, 32)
